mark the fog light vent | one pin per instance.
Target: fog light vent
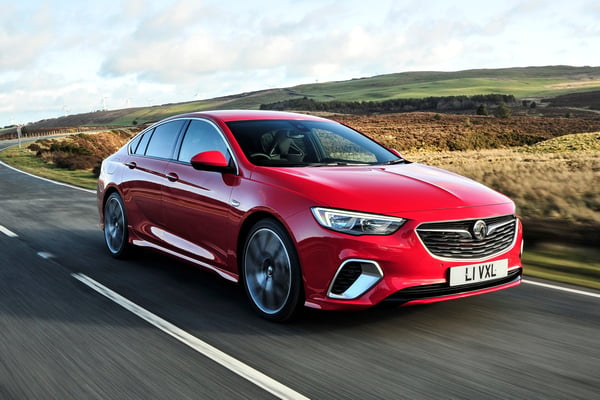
(354, 278)
(346, 276)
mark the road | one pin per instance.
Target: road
(60, 339)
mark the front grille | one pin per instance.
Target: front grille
(456, 240)
(443, 289)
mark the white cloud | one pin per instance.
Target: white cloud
(154, 51)
(21, 40)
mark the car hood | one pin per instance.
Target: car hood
(382, 189)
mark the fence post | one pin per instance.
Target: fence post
(19, 134)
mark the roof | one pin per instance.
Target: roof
(240, 115)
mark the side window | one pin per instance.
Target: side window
(139, 144)
(201, 136)
(163, 140)
(134, 144)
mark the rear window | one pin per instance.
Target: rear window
(139, 144)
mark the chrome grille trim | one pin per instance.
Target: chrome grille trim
(453, 240)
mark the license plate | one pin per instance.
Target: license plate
(474, 273)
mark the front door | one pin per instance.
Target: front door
(197, 203)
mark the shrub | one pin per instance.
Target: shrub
(34, 147)
(74, 162)
(503, 111)
(96, 169)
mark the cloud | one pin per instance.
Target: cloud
(159, 51)
(182, 50)
(22, 40)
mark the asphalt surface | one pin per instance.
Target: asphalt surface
(59, 339)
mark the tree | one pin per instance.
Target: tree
(482, 109)
(503, 111)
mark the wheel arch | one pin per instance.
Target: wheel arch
(107, 192)
(296, 297)
(249, 222)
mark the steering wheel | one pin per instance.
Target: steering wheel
(260, 156)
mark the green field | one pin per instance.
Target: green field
(523, 83)
(533, 82)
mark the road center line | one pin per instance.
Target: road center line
(8, 232)
(245, 371)
(564, 289)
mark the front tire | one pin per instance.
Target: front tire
(271, 272)
(116, 232)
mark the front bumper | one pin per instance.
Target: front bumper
(409, 274)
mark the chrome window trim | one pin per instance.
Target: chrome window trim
(178, 143)
(148, 129)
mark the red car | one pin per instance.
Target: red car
(305, 211)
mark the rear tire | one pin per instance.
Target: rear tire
(270, 272)
(116, 231)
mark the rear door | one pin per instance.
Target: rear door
(145, 175)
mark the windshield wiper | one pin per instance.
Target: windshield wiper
(336, 164)
(398, 161)
(329, 164)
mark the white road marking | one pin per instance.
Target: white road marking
(48, 180)
(564, 289)
(258, 378)
(45, 255)
(8, 232)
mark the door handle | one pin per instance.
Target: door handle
(131, 165)
(171, 176)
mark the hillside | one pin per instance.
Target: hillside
(540, 84)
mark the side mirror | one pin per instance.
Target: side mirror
(211, 161)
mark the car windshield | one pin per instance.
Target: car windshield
(298, 143)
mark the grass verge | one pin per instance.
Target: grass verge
(25, 160)
(574, 265)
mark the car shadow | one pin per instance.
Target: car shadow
(199, 300)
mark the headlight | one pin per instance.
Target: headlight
(354, 223)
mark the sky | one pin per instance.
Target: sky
(68, 57)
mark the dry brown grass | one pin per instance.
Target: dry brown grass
(431, 131)
(81, 151)
(556, 180)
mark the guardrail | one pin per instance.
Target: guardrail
(38, 133)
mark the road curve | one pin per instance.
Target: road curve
(61, 339)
